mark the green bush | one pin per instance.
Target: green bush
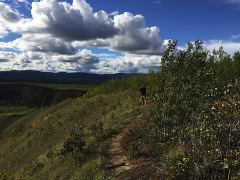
(75, 145)
(175, 159)
(199, 107)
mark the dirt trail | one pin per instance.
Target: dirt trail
(120, 167)
(118, 163)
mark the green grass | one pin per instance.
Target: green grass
(91, 169)
(32, 145)
(28, 100)
(37, 95)
(25, 152)
(9, 114)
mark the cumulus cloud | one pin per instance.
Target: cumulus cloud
(3, 30)
(6, 56)
(8, 18)
(42, 43)
(83, 61)
(50, 39)
(228, 46)
(114, 13)
(133, 36)
(130, 63)
(8, 15)
(75, 21)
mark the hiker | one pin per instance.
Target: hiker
(143, 94)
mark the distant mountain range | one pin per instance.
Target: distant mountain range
(62, 77)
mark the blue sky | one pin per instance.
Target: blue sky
(183, 20)
(41, 36)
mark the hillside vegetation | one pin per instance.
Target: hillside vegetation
(189, 129)
(18, 100)
(194, 129)
(39, 149)
(37, 95)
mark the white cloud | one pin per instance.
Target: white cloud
(114, 13)
(50, 40)
(77, 22)
(7, 18)
(41, 43)
(133, 37)
(130, 63)
(236, 36)
(3, 30)
(83, 61)
(8, 15)
(6, 56)
(228, 46)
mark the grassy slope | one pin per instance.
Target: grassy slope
(37, 95)
(19, 100)
(8, 114)
(23, 154)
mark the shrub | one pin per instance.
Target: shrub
(198, 108)
(97, 131)
(75, 145)
(175, 159)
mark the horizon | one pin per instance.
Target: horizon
(76, 72)
(109, 37)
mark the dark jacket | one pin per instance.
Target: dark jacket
(143, 91)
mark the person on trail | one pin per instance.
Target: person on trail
(143, 92)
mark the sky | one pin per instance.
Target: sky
(110, 36)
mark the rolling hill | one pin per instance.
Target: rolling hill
(34, 95)
(33, 146)
(61, 77)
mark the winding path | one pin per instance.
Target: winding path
(118, 165)
(118, 162)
